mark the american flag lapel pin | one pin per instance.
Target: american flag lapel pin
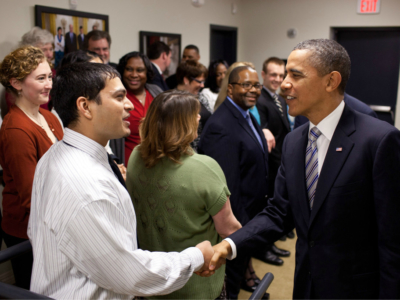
(339, 149)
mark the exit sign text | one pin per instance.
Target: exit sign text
(368, 6)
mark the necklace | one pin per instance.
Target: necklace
(32, 118)
(144, 98)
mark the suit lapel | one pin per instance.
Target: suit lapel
(283, 103)
(298, 155)
(334, 160)
(242, 121)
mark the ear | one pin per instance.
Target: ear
(230, 90)
(186, 81)
(16, 84)
(84, 107)
(262, 73)
(164, 56)
(334, 81)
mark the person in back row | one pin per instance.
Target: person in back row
(82, 221)
(160, 56)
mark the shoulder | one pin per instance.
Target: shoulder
(357, 105)
(153, 89)
(16, 119)
(203, 164)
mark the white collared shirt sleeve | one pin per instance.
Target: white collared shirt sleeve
(99, 242)
(233, 246)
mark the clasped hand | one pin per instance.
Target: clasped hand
(214, 257)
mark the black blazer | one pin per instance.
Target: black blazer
(228, 138)
(279, 126)
(348, 246)
(158, 79)
(352, 102)
(70, 45)
(80, 41)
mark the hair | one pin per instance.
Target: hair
(124, 61)
(155, 50)
(192, 47)
(211, 81)
(328, 56)
(58, 28)
(224, 85)
(274, 60)
(79, 80)
(19, 64)
(78, 57)
(37, 37)
(80, 27)
(234, 76)
(96, 35)
(169, 127)
(190, 69)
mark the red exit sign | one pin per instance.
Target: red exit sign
(368, 6)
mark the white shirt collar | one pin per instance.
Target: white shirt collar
(157, 67)
(328, 125)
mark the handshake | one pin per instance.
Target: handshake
(214, 257)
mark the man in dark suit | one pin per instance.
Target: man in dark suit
(273, 116)
(351, 101)
(70, 41)
(346, 210)
(81, 38)
(234, 139)
(160, 56)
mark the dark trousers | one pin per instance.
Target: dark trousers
(235, 272)
(22, 265)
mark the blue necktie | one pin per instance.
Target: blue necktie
(312, 164)
(248, 119)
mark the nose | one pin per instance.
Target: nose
(286, 85)
(202, 85)
(49, 84)
(128, 105)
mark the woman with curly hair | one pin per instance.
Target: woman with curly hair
(136, 70)
(180, 197)
(26, 133)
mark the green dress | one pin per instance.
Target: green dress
(174, 205)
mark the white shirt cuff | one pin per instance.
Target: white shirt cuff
(196, 257)
(233, 246)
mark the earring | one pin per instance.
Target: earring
(19, 92)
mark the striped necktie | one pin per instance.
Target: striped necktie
(312, 164)
(278, 103)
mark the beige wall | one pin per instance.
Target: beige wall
(127, 18)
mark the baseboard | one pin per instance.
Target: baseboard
(7, 277)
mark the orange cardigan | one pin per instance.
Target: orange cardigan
(22, 144)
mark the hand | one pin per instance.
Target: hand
(122, 169)
(221, 252)
(208, 252)
(270, 139)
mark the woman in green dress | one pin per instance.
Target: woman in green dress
(180, 197)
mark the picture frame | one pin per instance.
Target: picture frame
(173, 40)
(50, 18)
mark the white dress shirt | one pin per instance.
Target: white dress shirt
(82, 228)
(157, 67)
(327, 127)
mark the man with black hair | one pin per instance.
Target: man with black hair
(191, 52)
(160, 56)
(82, 224)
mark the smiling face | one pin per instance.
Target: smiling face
(110, 117)
(273, 77)
(195, 85)
(37, 85)
(304, 90)
(220, 73)
(190, 54)
(101, 47)
(242, 97)
(135, 74)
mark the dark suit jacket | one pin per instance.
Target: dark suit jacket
(348, 246)
(70, 45)
(158, 79)
(172, 81)
(279, 126)
(228, 138)
(80, 41)
(352, 102)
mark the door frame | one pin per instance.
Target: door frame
(224, 28)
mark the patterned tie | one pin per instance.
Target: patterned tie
(278, 104)
(312, 164)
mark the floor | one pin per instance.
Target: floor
(282, 285)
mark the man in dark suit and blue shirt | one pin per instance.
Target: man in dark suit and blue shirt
(338, 184)
(70, 41)
(234, 139)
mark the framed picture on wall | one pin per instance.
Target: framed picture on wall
(51, 18)
(146, 38)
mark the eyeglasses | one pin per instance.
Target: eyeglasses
(198, 81)
(248, 86)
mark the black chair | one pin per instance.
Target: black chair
(262, 287)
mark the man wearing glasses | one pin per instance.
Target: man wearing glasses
(234, 139)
